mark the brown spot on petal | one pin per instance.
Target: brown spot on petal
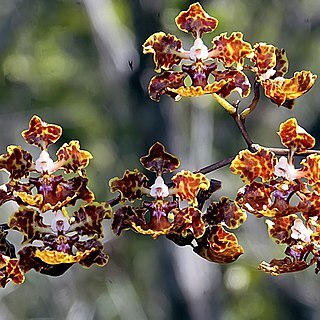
(232, 50)
(252, 165)
(131, 186)
(280, 90)
(40, 133)
(279, 266)
(294, 137)
(71, 158)
(16, 161)
(165, 49)
(218, 245)
(196, 21)
(188, 184)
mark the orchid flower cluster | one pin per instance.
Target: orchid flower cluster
(286, 195)
(175, 209)
(53, 238)
(61, 223)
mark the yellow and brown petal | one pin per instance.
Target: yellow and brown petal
(10, 270)
(164, 83)
(159, 160)
(279, 266)
(187, 185)
(281, 66)
(236, 81)
(88, 219)
(58, 257)
(267, 200)
(126, 216)
(252, 165)
(41, 134)
(280, 228)
(17, 162)
(231, 50)
(71, 158)
(295, 137)
(281, 90)
(225, 211)
(311, 169)
(29, 222)
(196, 21)
(264, 60)
(218, 245)
(132, 186)
(188, 219)
(166, 50)
(195, 91)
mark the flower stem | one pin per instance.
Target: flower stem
(254, 101)
(225, 104)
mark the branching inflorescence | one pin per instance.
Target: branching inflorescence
(62, 224)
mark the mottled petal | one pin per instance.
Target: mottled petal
(311, 169)
(96, 256)
(295, 137)
(236, 81)
(131, 186)
(58, 257)
(88, 219)
(188, 219)
(28, 261)
(196, 91)
(232, 50)
(159, 160)
(268, 201)
(252, 165)
(40, 133)
(10, 271)
(264, 60)
(125, 217)
(225, 211)
(279, 266)
(71, 158)
(196, 21)
(16, 161)
(280, 229)
(164, 83)
(218, 245)
(166, 50)
(187, 185)
(280, 90)
(29, 223)
(281, 66)
(55, 192)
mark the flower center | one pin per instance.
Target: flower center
(198, 51)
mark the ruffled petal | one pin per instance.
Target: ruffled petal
(218, 245)
(131, 186)
(196, 21)
(17, 162)
(188, 184)
(232, 50)
(252, 165)
(40, 133)
(165, 83)
(159, 160)
(166, 50)
(295, 137)
(71, 158)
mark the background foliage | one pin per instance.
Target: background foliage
(79, 64)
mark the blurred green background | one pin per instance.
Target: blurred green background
(79, 64)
